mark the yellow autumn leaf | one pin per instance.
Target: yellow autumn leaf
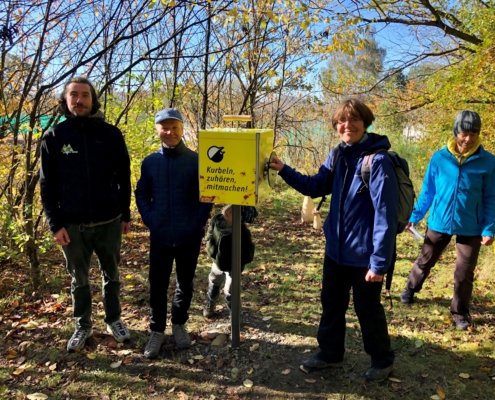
(440, 392)
(248, 383)
(128, 277)
(464, 376)
(91, 356)
(254, 347)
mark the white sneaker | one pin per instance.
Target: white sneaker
(118, 330)
(78, 339)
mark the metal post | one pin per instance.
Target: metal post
(235, 290)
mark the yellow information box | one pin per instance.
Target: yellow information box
(233, 165)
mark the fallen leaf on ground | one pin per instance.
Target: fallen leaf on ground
(254, 347)
(267, 318)
(301, 367)
(19, 370)
(464, 376)
(440, 392)
(127, 361)
(394, 380)
(248, 383)
(286, 371)
(36, 396)
(91, 356)
(116, 364)
(250, 371)
(310, 380)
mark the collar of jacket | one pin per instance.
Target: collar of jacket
(373, 142)
(179, 149)
(92, 120)
(97, 114)
(452, 148)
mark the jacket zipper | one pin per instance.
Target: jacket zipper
(169, 180)
(89, 178)
(340, 215)
(452, 218)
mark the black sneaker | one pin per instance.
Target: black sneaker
(407, 296)
(209, 308)
(378, 374)
(461, 323)
(315, 364)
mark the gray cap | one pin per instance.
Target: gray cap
(168, 113)
(467, 121)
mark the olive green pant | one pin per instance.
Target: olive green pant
(104, 241)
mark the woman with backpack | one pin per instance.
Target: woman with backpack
(360, 235)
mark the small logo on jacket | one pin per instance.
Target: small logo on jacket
(67, 149)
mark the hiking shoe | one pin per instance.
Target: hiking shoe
(181, 336)
(407, 296)
(78, 339)
(154, 344)
(315, 364)
(461, 323)
(119, 331)
(209, 309)
(378, 374)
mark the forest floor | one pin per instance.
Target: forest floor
(279, 320)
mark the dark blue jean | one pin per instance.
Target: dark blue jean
(335, 295)
(104, 240)
(161, 261)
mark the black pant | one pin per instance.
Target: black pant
(335, 295)
(468, 249)
(161, 260)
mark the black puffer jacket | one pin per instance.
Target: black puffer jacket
(85, 172)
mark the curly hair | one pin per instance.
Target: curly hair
(354, 108)
(62, 100)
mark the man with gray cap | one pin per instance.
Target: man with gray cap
(459, 188)
(167, 196)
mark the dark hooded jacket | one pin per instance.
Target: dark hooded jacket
(85, 172)
(362, 223)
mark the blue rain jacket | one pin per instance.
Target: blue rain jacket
(460, 197)
(362, 223)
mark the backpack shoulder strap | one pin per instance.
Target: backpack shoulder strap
(366, 166)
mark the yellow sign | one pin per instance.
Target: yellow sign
(233, 165)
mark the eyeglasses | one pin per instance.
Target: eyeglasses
(352, 121)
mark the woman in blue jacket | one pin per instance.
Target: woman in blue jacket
(459, 191)
(360, 235)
